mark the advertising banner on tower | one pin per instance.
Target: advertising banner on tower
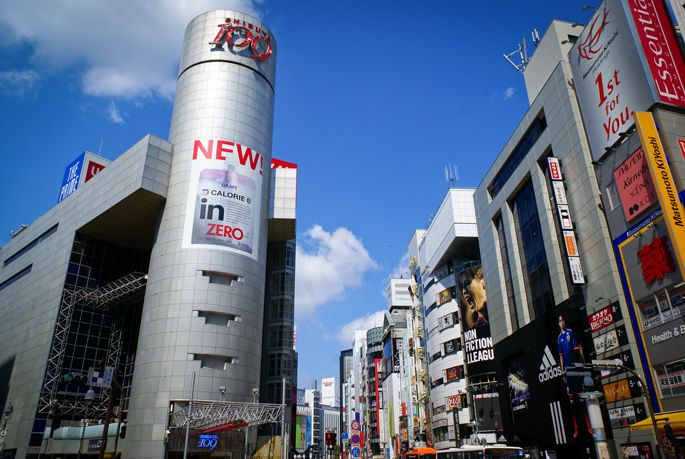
(225, 197)
(608, 76)
(626, 59)
(476, 339)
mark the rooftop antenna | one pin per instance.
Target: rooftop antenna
(536, 37)
(451, 174)
(524, 57)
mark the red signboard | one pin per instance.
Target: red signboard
(601, 319)
(93, 168)
(451, 373)
(656, 260)
(635, 185)
(453, 401)
(661, 49)
(248, 36)
(377, 367)
(554, 169)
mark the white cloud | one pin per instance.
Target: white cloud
(113, 113)
(328, 265)
(345, 333)
(401, 270)
(508, 93)
(18, 83)
(129, 48)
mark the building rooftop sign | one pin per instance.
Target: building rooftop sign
(242, 35)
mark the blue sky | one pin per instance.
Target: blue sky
(373, 100)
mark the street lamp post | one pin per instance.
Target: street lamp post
(618, 363)
(120, 413)
(255, 395)
(90, 396)
(105, 430)
(6, 415)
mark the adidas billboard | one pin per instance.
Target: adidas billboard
(548, 368)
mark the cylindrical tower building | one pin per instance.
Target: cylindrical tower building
(203, 308)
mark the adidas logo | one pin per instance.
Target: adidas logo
(548, 368)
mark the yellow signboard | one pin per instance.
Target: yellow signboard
(617, 390)
(663, 181)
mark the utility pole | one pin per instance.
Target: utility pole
(105, 431)
(282, 422)
(190, 407)
(577, 371)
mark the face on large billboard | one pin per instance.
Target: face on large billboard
(474, 302)
(475, 325)
(225, 197)
(608, 76)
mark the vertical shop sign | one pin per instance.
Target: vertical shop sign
(565, 221)
(663, 181)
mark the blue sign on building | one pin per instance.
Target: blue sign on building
(72, 175)
(208, 441)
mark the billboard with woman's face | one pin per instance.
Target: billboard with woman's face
(475, 325)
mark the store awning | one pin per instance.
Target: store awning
(676, 419)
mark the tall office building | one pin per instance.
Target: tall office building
(439, 256)
(329, 390)
(547, 254)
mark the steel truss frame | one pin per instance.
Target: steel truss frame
(225, 415)
(116, 296)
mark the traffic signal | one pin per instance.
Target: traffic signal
(74, 379)
(335, 439)
(122, 432)
(329, 438)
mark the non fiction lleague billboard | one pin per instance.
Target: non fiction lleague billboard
(475, 326)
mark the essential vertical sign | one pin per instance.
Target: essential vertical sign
(663, 182)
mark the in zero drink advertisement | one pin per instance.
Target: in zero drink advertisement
(224, 202)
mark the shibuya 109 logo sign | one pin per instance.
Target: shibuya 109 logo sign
(241, 35)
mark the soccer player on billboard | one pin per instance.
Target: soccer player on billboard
(568, 343)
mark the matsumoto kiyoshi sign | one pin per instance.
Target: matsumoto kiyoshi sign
(225, 197)
(664, 184)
